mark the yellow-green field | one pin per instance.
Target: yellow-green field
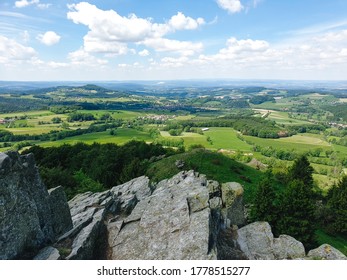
(299, 142)
(122, 136)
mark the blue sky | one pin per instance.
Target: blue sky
(173, 39)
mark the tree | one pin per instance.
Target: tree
(301, 170)
(264, 208)
(297, 208)
(56, 120)
(337, 208)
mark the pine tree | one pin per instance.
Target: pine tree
(301, 170)
(337, 208)
(264, 208)
(297, 205)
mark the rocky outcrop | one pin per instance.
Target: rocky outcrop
(27, 219)
(175, 221)
(185, 217)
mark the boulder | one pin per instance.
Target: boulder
(287, 247)
(326, 252)
(256, 241)
(232, 196)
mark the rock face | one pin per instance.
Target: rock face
(27, 220)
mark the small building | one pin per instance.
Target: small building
(205, 129)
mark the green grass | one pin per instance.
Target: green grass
(28, 113)
(226, 138)
(221, 137)
(118, 114)
(122, 136)
(214, 165)
(299, 142)
(338, 242)
(280, 117)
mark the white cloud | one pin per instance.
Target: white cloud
(26, 3)
(185, 48)
(232, 6)
(174, 62)
(49, 38)
(25, 36)
(11, 51)
(81, 57)
(180, 22)
(110, 33)
(144, 53)
(307, 58)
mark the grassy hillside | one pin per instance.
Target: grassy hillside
(214, 165)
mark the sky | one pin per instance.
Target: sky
(46, 40)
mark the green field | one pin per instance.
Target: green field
(116, 114)
(221, 138)
(280, 117)
(122, 136)
(300, 142)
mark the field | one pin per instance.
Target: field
(220, 138)
(280, 117)
(300, 143)
(122, 135)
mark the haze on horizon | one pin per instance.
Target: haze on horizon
(45, 40)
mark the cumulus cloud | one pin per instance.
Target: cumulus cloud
(111, 33)
(26, 3)
(180, 22)
(167, 45)
(81, 57)
(11, 51)
(49, 38)
(326, 52)
(144, 53)
(232, 6)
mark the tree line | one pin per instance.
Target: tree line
(97, 167)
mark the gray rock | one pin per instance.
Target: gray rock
(173, 223)
(326, 252)
(232, 196)
(287, 247)
(25, 224)
(48, 253)
(86, 243)
(60, 211)
(256, 241)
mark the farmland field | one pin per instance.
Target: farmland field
(122, 135)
